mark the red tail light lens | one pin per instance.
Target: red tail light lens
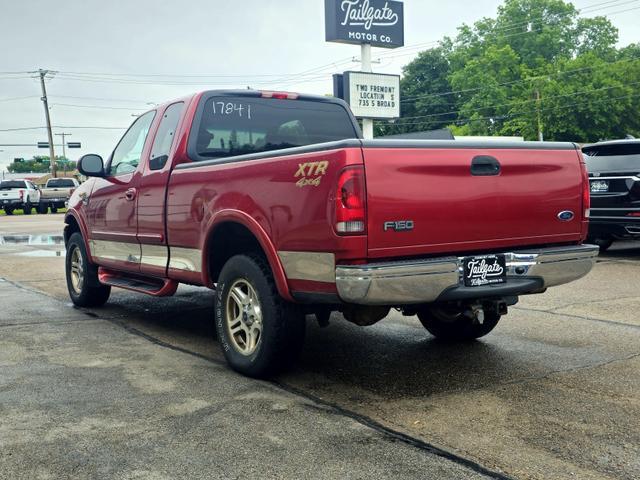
(280, 95)
(586, 191)
(21, 193)
(351, 202)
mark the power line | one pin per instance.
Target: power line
(10, 99)
(519, 102)
(88, 127)
(20, 129)
(519, 114)
(514, 82)
(102, 99)
(99, 107)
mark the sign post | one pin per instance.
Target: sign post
(365, 65)
(366, 22)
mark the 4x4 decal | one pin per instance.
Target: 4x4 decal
(311, 173)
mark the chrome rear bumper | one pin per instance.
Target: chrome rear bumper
(425, 281)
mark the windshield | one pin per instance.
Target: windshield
(232, 126)
(9, 184)
(60, 183)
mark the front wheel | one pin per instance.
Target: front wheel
(54, 209)
(454, 323)
(259, 332)
(82, 277)
(8, 210)
(42, 209)
(27, 208)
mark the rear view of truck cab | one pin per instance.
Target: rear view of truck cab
(274, 200)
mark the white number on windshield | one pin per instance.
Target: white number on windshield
(231, 108)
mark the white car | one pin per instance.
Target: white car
(16, 194)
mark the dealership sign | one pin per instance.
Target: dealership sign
(372, 95)
(377, 22)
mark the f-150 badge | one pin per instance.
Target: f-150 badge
(399, 226)
(311, 173)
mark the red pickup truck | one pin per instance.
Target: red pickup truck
(275, 201)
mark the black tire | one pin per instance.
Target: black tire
(89, 292)
(450, 324)
(603, 243)
(54, 209)
(42, 209)
(27, 208)
(8, 211)
(282, 324)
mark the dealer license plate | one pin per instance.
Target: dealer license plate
(484, 270)
(598, 186)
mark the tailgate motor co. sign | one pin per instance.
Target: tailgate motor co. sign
(377, 22)
(372, 95)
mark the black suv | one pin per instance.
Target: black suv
(614, 175)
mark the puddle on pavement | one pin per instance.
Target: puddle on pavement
(32, 240)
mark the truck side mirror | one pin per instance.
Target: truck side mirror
(91, 165)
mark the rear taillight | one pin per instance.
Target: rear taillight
(21, 193)
(586, 191)
(351, 202)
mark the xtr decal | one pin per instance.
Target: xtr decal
(311, 173)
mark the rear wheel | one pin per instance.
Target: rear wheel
(260, 333)
(603, 243)
(455, 323)
(82, 277)
(27, 208)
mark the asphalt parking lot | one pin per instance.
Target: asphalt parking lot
(138, 389)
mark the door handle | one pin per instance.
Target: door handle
(484, 166)
(130, 194)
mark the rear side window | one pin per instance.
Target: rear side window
(60, 183)
(231, 126)
(9, 184)
(165, 135)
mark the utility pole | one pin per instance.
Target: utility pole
(365, 65)
(63, 135)
(64, 152)
(52, 157)
(538, 102)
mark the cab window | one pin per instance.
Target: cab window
(126, 156)
(231, 126)
(165, 135)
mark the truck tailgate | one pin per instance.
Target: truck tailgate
(459, 199)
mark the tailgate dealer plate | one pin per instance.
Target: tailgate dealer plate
(599, 186)
(484, 270)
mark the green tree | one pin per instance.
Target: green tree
(536, 65)
(427, 74)
(41, 164)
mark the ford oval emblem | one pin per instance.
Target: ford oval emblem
(566, 216)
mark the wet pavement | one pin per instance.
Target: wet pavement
(553, 392)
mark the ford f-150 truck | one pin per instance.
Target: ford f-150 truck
(56, 193)
(16, 194)
(275, 201)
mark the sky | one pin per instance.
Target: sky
(100, 51)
